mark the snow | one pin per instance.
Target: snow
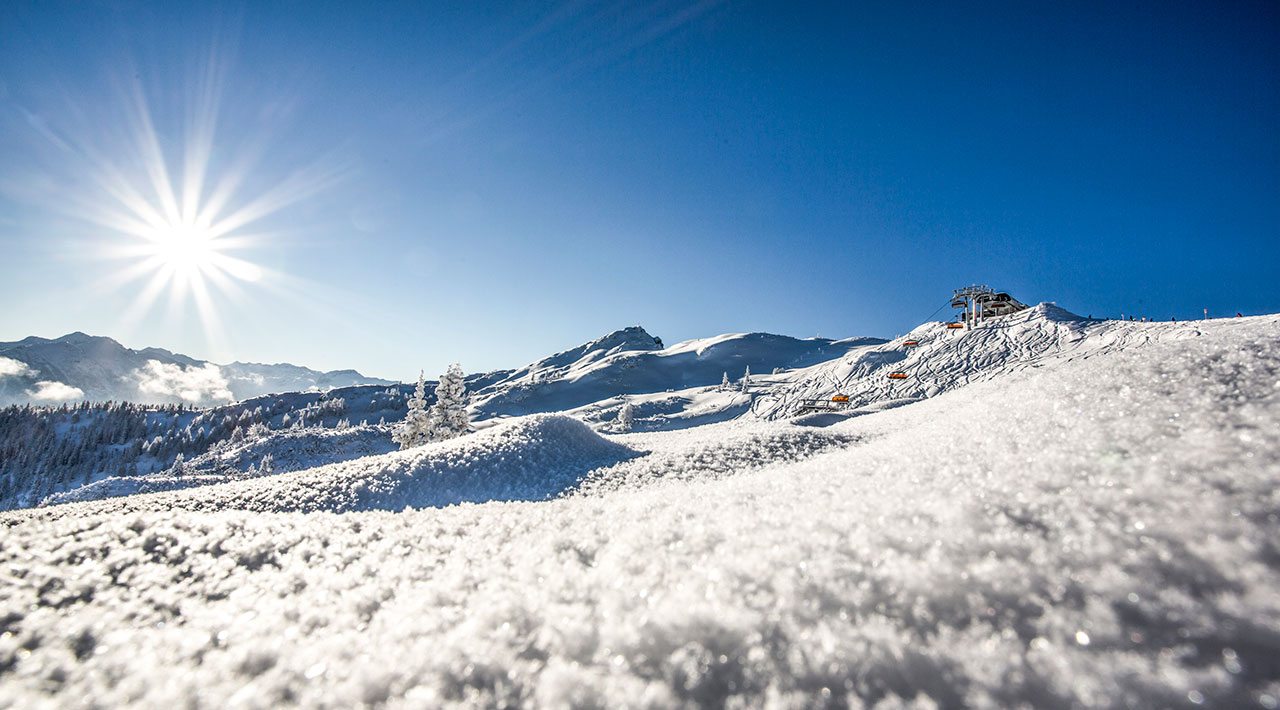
(630, 362)
(530, 458)
(946, 359)
(290, 450)
(79, 366)
(1096, 531)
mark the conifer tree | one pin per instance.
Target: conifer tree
(416, 428)
(746, 379)
(449, 415)
(626, 417)
(724, 383)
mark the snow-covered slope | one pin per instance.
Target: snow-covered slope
(275, 453)
(79, 367)
(530, 458)
(630, 362)
(1100, 532)
(946, 358)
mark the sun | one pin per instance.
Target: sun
(180, 213)
(185, 248)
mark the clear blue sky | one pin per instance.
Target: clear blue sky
(488, 183)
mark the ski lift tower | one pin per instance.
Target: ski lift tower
(967, 299)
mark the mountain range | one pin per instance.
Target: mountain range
(78, 367)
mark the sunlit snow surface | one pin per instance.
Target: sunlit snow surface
(1098, 532)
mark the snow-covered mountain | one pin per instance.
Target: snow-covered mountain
(80, 367)
(631, 361)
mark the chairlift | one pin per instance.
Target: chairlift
(910, 343)
(955, 326)
(840, 398)
(897, 375)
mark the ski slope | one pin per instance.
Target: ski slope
(1102, 535)
(945, 359)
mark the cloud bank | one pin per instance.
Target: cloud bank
(191, 384)
(50, 391)
(14, 368)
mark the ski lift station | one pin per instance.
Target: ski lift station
(976, 304)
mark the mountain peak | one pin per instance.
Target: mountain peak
(80, 337)
(630, 338)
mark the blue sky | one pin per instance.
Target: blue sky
(488, 183)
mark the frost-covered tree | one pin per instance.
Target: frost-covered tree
(449, 415)
(626, 417)
(178, 467)
(417, 427)
(267, 466)
(724, 383)
(746, 379)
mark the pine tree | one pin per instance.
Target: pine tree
(746, 379)
(626, 417)
(449, 415)
(416, 428)
(724, 383)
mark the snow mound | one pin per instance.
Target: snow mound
(710, 453)
(532, 458)
(289, 450)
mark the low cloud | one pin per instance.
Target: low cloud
(50, 391)
(14, 368)
(190, 384)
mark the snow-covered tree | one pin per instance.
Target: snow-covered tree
(626, 417)
(267, 466)
(724, 383)
(449, 415)
(178, 467)
(417, 427)
(746, 379)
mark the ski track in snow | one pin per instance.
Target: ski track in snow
(1099, 531)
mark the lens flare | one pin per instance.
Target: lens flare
(180, 211)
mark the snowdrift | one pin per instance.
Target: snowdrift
(533, 458)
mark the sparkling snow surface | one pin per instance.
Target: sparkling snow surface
(1096, 532)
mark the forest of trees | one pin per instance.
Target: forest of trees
(45, 450)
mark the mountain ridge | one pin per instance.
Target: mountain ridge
(78, 366)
